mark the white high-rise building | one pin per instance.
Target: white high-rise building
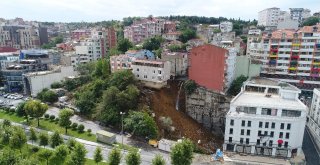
(314, 117)
(269, 17)
(266, 118)
(299, 14)
(226, 26)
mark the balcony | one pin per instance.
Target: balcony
(272, 62)
(294, 57)
(273, 55)
(316, 63)
(315, 69)
(314, 75)
(296, 45)
(318, 46)
(292, 68)
(274, 49)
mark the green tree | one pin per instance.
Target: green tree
(20, 109)
(311, 21)
(47, 95)
(121, 79)
(158, 52)
(153, 43)
(33, 135)
(18, 139)
(113, 52)
(182, 153)
(8, 157)
(35, 109)
(236, 85)
(158, 160)
(114, 157)
(124, 45)
(97, 157)
(43, 139)
(77, 156)
(141, 124)
(85, 102)
(60, 153)
(56, 139)
(64, 118)
(56, 85)
(190, 86)
(133, 157)
(187, 34)
(45, 154)
(71, 143)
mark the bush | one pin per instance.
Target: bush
(52, 117)
(81, 128)
(7, 110)
(46, 116)
(57, 119)
(190, 86)
(89, 130)
(74, 126)
(35, 149)
(12, 110)
(56, 85)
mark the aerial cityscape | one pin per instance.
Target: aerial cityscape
(158, 83)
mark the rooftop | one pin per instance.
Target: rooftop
(271, 82)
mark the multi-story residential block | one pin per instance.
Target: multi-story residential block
(266, 118)
(212, 67)
(206, 32)
(146, 28)
(80, 34)
(269, 17)
(313, 122)
(29, 39)
(291, 56)
(4, 37)
(254, 37)
(179, 62)
(153, 74)
(226, 26)
(171, 36)
(8, 57)
(316, 14)
(299, 14)
(111, 38)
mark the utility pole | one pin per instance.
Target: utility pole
(122, 113)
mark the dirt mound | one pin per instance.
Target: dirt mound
(163, 103)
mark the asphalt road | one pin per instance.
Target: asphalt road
(310, 152)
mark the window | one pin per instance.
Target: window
(270, 143)
(249, 123)
(288, 126)
(243, 123)
(290, 113)
(137, 69)
(242, 132)
(248, 132)
(266, 125)
(231, 131)
(159, 71)
(287, 135)
(258, 141)
(282, 126)
(230, 139)
(247, 140)
(241, 140)
(249, 110)
(231, 122)
(273, 125)
(259, 133)
(260, 124)
(265, 133)
(281, 135)
(271, 134)
(266, 111)
(286, 144)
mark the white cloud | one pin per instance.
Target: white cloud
(97, 10)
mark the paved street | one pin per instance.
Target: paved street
(310, 152)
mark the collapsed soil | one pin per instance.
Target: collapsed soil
(163, 104)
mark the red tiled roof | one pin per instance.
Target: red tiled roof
(7, 49)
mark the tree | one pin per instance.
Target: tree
(20, 109)
(182, 153)
(114, 51)
(187, 34)
(311, 21)
(33, 135)
(64, 118)
(43, 139)
(158, 160)
(18, 139)
(236, 85)
(35, 109)
(71, 143)
(56, 85)
(133, 157)
(56, 139)
(124, 45)
(60, 153)
(153, 43)
(47, 95)
(190, 86)
(8, 156)
(141, 124)
(114, 156)
(45, 154)
(77, 156)
(121, 79)
(97, 157)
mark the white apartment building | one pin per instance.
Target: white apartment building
(88, 50)
(314, 117)
(269, 17)
(299, 14)
(231, 65)
(121, 62)
(226, 26)
(254, 36)
(178, 62)
(266, 118)
(153, 74)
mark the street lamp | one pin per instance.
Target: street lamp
(122, 113)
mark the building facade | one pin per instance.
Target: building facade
(314, 118)
(299, 14)
(269, 17)
(226, 26)
(266, 118)
(178, 61)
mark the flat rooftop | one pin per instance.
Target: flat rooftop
(272, 82)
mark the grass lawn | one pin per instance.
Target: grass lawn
(91, 162)
(48, 125)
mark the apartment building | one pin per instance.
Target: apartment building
(178, 61)
(80, 34)
(153, 73)
(269, 17)
(226, 26)
(171, 36)
(291, 56)
(266, 118)
(253, 38)
(313, 122)
(212, 67)
(299, 14)
(146, 28)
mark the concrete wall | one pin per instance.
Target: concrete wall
(208, 108)
(246, 68)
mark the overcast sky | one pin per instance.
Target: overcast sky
(99, 10)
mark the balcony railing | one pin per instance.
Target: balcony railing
(294, 57)
(293, 68)
(296, 45)
(274, 49)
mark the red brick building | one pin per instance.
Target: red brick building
(207, 65)
(112, 38)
